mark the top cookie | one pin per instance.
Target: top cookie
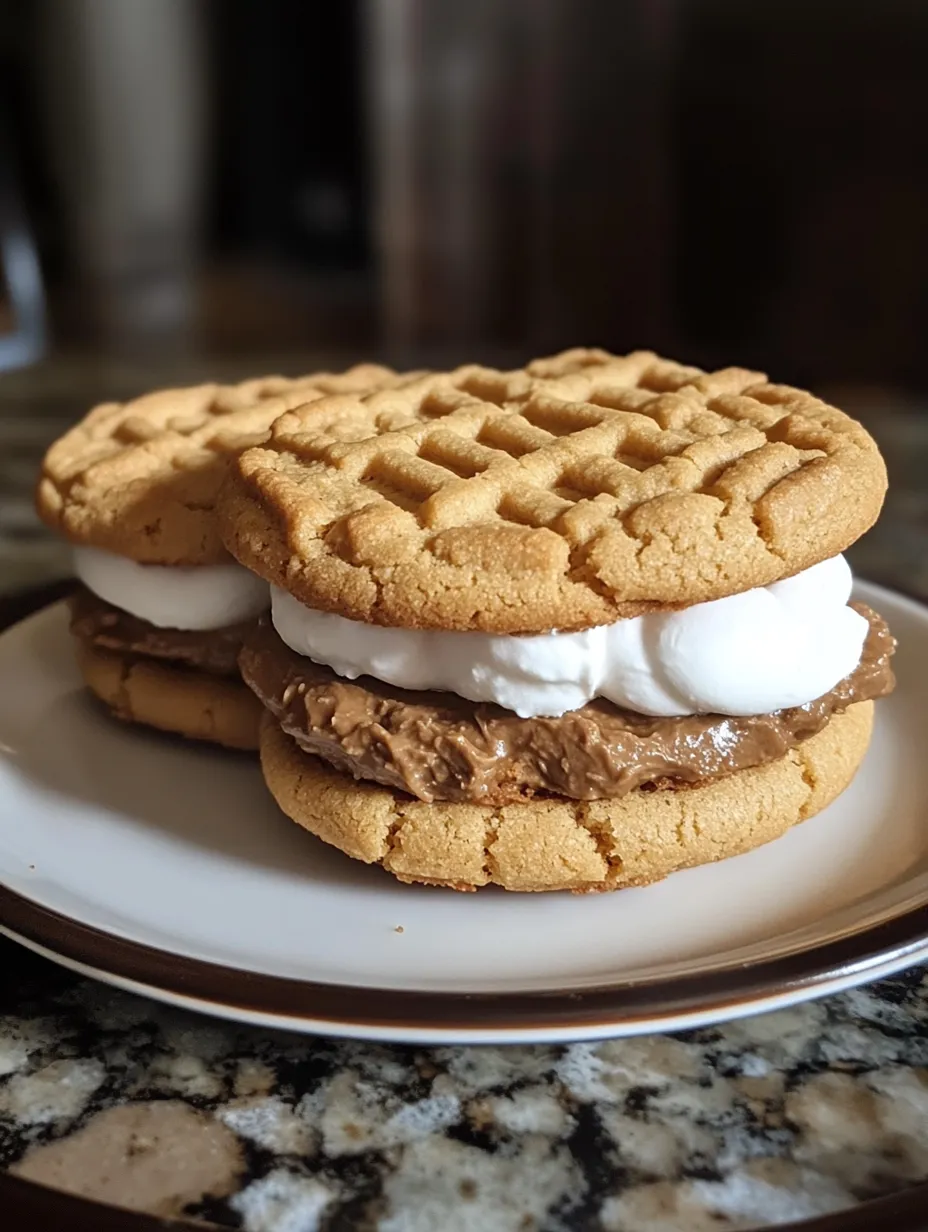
(140, 478)
(579, 490)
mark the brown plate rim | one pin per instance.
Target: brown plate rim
(704, 996)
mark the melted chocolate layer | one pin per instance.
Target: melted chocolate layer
(215, 651)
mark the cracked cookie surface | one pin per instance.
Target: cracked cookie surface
(560, 844)
(141, 478)
(581, 489)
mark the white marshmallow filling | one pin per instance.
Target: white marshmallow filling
(196, 597)
(762, 650)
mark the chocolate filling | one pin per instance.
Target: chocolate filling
(215, 651)
(440, 747)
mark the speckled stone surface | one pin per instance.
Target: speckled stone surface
(771, 1119)
(759, 1122)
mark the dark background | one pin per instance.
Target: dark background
(436, 180)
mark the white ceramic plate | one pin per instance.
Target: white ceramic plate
(166, 868)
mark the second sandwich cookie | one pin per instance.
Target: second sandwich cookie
(162, 610)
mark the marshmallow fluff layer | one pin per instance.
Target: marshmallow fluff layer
(197, 597)
(762, 650)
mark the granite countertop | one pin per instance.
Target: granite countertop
(776, 1118)
(770, 1119)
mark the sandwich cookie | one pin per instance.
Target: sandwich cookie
(570, 627)
(162, 609)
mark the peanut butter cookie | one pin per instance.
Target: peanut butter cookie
(160, 694)
(140, 478)
(579, 490)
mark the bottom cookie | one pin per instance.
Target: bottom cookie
(220, 709)
(561, 844)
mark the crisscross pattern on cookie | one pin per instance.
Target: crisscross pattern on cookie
(140, 478)
(554, 497)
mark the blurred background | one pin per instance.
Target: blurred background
(199, 189)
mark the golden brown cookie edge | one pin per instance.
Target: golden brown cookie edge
(152, 693)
